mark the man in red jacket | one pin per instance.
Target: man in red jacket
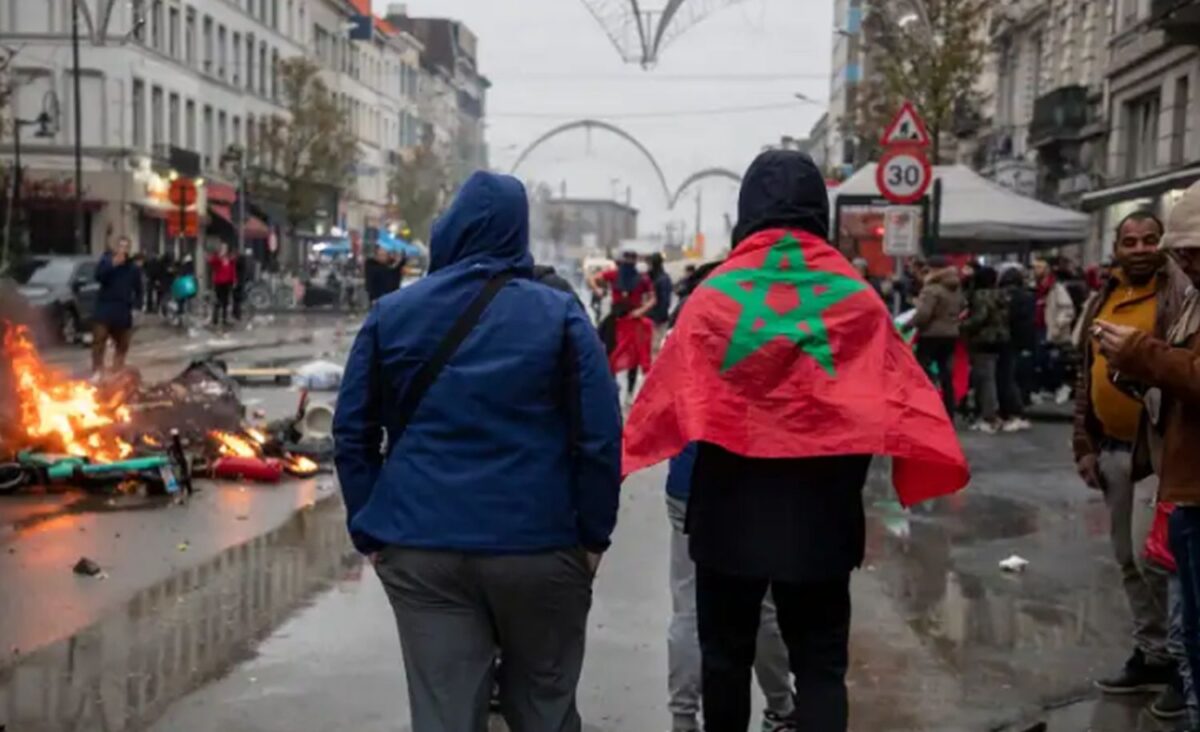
(223, 267)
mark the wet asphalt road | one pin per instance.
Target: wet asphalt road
(268, 621)
(942, 639)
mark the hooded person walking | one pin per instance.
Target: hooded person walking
(478, 444)
(787, 372)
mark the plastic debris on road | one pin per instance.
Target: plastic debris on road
(1014, 564)
(318, 376)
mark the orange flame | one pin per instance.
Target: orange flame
(302, 466)
(231, 445)
(256, 435)
(61, 414)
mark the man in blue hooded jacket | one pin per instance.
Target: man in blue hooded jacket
(487, 512)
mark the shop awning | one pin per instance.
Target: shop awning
(974, 209)
(254, 228)
(1144, 188)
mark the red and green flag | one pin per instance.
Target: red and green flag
(785, 352)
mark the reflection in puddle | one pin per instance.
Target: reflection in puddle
(1010, 641)
(120, 674)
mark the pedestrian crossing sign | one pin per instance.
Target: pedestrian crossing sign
(906, 128)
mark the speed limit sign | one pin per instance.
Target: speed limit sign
(904, 175)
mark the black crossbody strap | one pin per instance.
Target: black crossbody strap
(429, 372)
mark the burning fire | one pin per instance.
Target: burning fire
(231, 445)
(59, 414)
(256, 435)
(301, 466)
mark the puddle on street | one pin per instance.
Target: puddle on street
(120, 673)
(1011, 641)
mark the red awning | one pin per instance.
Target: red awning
(255, 228)
(220, 193)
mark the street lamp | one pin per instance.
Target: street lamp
(47, 127)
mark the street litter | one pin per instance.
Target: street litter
(87, 567)
(318, 376)
(1014, 564)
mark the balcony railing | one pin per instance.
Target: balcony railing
(1179, 19)
(1059, 116)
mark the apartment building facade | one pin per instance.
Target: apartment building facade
(198, 78)
(1152, 150)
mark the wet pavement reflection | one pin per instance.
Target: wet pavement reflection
(122, 672)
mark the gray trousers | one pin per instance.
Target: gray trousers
(983, 376)
(683, 641)
(455, 610)
(1131, 512)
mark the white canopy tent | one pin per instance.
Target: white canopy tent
(976, 210)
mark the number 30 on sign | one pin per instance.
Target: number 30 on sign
(903, 175)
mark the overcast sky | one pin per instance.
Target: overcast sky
(551, 62)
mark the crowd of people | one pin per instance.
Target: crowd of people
(479, 451)
(998, 338)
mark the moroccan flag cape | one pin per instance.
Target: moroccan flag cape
(785, 352)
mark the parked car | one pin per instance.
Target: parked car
(62, 289)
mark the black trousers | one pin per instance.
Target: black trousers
(221, 311)
(814, 618)
(939, 352)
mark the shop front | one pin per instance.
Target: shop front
(1156, 194)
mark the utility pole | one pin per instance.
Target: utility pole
(80, 240)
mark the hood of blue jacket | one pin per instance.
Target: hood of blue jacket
(488, 224)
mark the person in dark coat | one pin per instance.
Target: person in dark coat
(1014, 369)
(485, 524)
(381, 274)
(794, 526)
(120, 292)
(664, 291)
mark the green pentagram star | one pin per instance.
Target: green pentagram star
(759, 324)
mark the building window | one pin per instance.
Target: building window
(173, 120)
(290, 18)
(156, 118)
(189, 38)
(1179, 124)
(251, 139)
(275, 74)
(207, 139)
(156, 23)
(139, 114)
(236, 76)
(1141, 135)
(222, 52)
(222, 133)
(209, 56)
(262, 69)
(275, 14)
(189, 126)
(173, 33)
(250, 62)
(237, 131)
(138, 8)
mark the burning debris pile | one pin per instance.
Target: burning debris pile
(121, 434)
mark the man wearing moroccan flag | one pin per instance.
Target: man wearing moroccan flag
(787, 370)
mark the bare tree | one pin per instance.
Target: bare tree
(310, 151)
(933, 61)
(417, 188)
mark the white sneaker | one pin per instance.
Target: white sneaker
(1013, 425)
(1023, 424)
(987, 428)
(1063, 395)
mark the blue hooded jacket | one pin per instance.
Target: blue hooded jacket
(517, 445)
